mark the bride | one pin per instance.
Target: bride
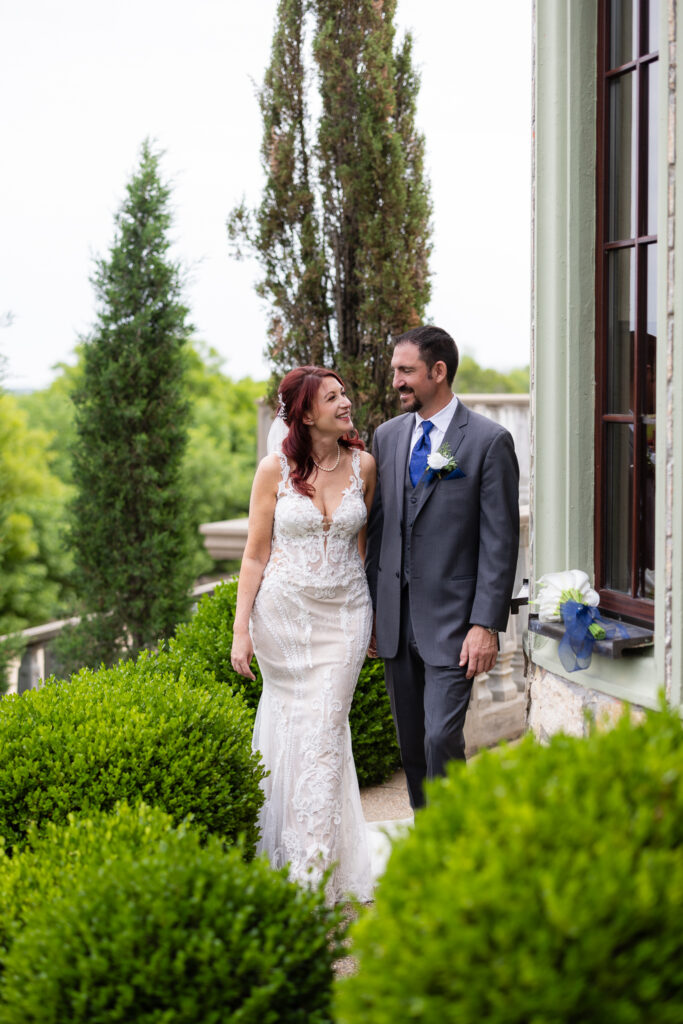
(304, 609)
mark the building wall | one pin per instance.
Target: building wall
(563, 359)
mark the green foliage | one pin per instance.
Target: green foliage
(204, 643)
(52, 411)
(473, 379)
(180, 933)
(342, 233)
(141, 730)
(53, 859)
(540, 884)
(33, 566)
(219, 464)
(130, 530)
(373, 735)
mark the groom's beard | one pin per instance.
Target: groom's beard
(406, 404)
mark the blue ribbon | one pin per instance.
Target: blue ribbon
(576, 646)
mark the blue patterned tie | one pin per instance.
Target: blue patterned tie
(418, 459)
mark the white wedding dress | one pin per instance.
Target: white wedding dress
(310, 626)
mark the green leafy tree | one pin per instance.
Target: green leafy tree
(473, 379)
(220, 458)
(342, 233)
(34, 565)
(221, 452)
(130, 520)
(52, 409)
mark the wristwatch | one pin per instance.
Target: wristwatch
(491, 630)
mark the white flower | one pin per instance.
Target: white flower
(437, 461)
(558, 587)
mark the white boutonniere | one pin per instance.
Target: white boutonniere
(441, 462)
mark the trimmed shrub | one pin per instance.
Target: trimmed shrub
(375, 750)
(539, 884)
(205, 642)
(53, 860)
(181, 933)
(174, 740)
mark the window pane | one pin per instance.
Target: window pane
(619, 479)
(652, 43)
(651, 80)
(622, 159)
(623, 32)
(621, 322)
(646, 575)
(651, 335)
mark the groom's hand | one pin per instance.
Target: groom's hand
(479, 651)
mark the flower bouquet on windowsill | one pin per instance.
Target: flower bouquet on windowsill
(568, 597)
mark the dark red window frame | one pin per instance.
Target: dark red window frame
(631, 599)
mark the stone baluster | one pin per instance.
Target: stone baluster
(501, 682)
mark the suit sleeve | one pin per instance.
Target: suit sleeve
(498, 534)
(374, 534)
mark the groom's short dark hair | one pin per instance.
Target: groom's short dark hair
(435, 346)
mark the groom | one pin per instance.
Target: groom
(441, 552)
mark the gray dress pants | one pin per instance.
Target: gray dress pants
(429, 704)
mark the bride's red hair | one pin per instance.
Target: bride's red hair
(298, 390)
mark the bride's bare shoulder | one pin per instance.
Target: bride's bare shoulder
(269, 472)
(271, 464)
(367, 463)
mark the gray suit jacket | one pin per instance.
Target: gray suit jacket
(464, 540)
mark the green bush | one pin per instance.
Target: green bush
(205, 642)
(180, 933)
(136, 731)
(52, 860)
(539, 885)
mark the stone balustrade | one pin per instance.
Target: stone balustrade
(37, 661)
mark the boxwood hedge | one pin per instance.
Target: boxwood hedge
(540, 884)
(205, 642)
(180, 933)
(137, 731)
(53, 859)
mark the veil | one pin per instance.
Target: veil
(276, 435)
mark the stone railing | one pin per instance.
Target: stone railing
(37, 661)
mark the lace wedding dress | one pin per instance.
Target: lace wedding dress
(310, 626)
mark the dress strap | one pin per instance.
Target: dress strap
(284, 467)
(355, 466)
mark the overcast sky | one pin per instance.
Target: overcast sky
(85, 81)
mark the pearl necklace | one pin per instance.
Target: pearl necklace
(329, 469)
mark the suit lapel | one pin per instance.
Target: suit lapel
(454, 436)
(404, 434)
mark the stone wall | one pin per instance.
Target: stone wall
(558, 705)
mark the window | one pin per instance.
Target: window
(626, 307)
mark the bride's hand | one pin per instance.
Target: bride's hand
(241, 654)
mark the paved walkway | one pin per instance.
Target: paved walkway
(387, 802)
(388, 813)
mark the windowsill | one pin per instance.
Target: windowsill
(637, 636)
(631, 677)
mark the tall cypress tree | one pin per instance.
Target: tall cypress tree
(343, 229)
(130, 527)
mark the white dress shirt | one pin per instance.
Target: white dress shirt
(441, 421)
